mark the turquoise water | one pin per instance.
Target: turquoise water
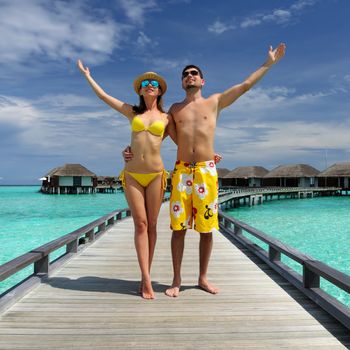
(29, 219)
(319, 227)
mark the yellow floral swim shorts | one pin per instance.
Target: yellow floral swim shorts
(194, 196)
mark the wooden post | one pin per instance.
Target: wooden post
(41, 267)
(102, 227)
(72, 247)
(90, 235)
(237, 230)
(110, 221)
(310, 279)
(274, 254)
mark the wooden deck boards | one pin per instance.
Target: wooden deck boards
(92, 302)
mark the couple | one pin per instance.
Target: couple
(191, 125)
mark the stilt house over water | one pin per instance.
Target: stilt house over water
(245, 176)
(292, 175)
(221, 174)
(337, 175)
(69, 179)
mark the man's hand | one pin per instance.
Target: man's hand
(127, 154)
(217, 158)
(275, 55)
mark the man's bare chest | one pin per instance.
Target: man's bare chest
(191, 116)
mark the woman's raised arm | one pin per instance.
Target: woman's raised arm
(120, 106)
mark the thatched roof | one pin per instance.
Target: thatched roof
(293, 170)
(222, 172)
(247, 172)
(338, 169)
(70, 170)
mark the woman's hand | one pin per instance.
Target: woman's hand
(84, 70)
(274, 55)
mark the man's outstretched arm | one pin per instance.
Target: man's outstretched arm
(231, 94)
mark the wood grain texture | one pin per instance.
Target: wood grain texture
(92, 303)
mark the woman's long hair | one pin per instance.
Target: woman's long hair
(141, 108)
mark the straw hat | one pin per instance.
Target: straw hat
(149, 76)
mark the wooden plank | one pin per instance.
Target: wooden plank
(92, 302)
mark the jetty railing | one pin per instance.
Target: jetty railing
(39, 257)
(273, 190)
(230, 197)
(312, 270)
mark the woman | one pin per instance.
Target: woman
(144, 177)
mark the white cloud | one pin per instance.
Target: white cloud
(144, 41)
(136, 10)
(164, 64)
(264, 103)
(278, 16)
(347, 78)
(56, 30)
(299, 5)
(266, 126)
(299, 140)
(250, 22)
(219, 27)
(53, 128)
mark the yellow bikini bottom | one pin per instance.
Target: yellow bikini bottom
(144, 179)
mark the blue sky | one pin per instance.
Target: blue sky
(49, 116)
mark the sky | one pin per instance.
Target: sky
(49, 116)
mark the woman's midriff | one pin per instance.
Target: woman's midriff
(146, 155)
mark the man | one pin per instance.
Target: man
(194, 182)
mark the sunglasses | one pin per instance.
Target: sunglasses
(194, 73)
(145, 83)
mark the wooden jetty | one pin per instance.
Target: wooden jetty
(233, 197)
(91, 301)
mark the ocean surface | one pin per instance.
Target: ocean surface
(29, 219)
(319, 227)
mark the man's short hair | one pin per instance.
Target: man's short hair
(195, 67)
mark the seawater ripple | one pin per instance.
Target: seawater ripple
(319, 227)
(29, 219)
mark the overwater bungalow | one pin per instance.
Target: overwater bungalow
(292, 175)
(107, 184)
(245, 176)
(69, 179)
(221, 174)
(337, 175)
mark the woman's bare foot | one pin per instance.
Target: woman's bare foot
(208, 287)
(147, 290)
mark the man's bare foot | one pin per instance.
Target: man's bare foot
(147, 290)
(208, 287)
(174, 290)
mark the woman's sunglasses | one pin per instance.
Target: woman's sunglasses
(145, 83)
(192, 72)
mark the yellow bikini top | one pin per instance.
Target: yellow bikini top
(156, 128)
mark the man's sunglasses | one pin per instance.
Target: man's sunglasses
(192, 72)
(145, 83)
